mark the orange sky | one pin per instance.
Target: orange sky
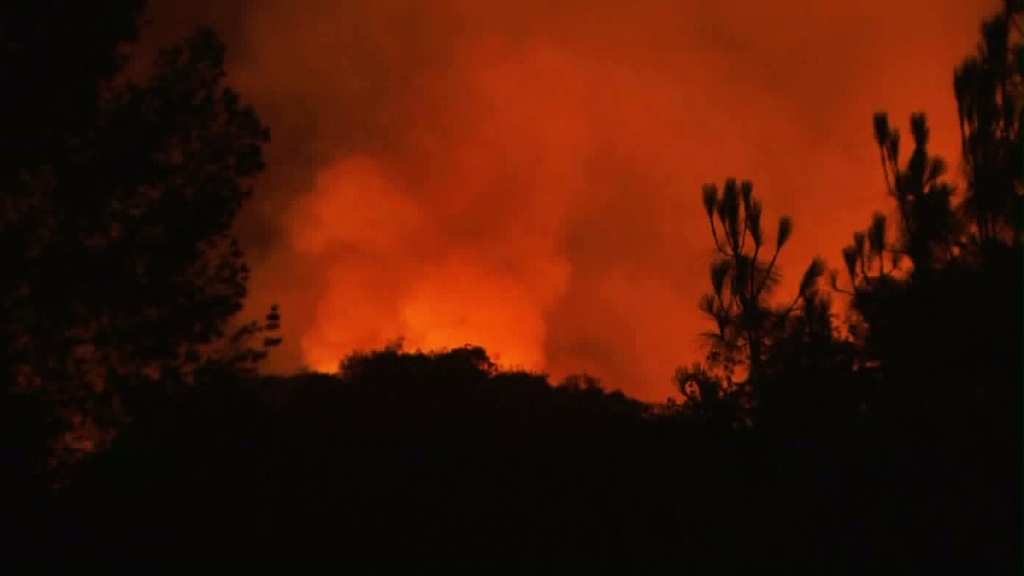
(525, 174)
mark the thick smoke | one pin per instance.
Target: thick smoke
(525, 174)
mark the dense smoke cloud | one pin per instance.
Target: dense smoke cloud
(525, 174)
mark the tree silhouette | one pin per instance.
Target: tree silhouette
(744, 276)
(928, 226)
(946, 263)
(931, 236)
(939, 309)
(989, 93)
(891, 445)
(121, 266)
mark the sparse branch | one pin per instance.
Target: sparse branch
(768, 271)
(718, 243)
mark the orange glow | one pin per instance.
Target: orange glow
(526, 175)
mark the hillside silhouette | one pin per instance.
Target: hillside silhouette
(867, 422)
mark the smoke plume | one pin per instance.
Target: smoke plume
(525, 175)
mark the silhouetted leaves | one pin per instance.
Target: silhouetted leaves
(119, 200)
(743, 279)
(988, 89)
(885, 442)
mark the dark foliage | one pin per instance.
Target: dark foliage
(121, 275)
(887, 441)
